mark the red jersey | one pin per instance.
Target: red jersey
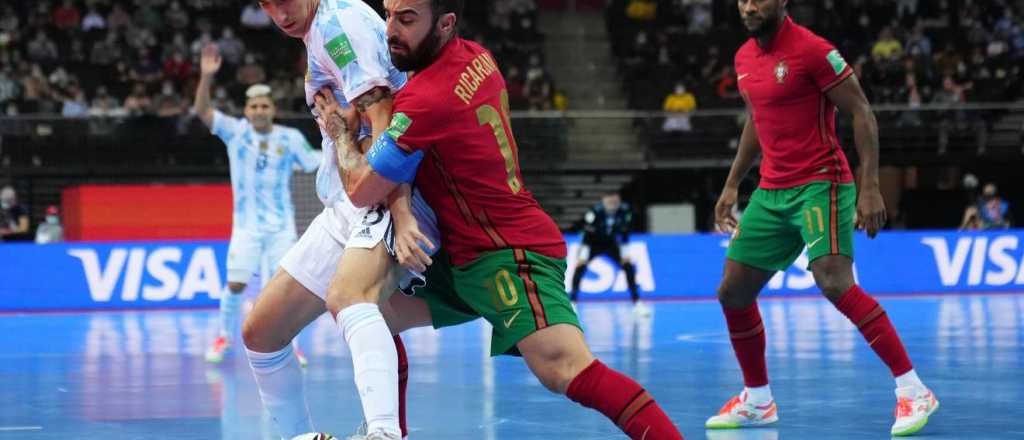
(784, 85)
(456, 111)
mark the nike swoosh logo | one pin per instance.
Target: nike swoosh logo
(740, 77)
(508, 322)
(811, 244)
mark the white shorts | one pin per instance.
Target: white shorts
(252, 252)
(314, 258)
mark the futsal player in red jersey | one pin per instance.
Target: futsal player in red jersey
(502, 257)
(793, 81)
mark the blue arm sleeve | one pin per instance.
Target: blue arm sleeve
(392, 162)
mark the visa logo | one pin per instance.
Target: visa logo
(605, 276)
(154, 275)
(996, 261)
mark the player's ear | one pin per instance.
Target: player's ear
(448, 22)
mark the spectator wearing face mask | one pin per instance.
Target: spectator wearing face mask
(168, 103)
(251, 73)
(13, 216)
(680, 103)
(50, 231)
(988, 213)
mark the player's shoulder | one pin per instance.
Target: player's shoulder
(745, 50)
(288, 131)
(232, 123)
(419, 92)
(805, 41)
(343, 16)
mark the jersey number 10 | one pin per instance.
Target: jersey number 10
(488, 115)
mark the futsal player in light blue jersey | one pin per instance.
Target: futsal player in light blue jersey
(345, 262)
(262, 157)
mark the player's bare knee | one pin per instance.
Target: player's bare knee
(833, 275)
(340, 299)
(556, 372)
(235, 287)
(732, 298)
(833, 286)
(259, 338)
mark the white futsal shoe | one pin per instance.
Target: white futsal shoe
(315, 436)
(215, 354)
(641, 310)
(913, 406)
(361, 434)
(739, 413)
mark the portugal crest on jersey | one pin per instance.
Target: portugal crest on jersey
(781, 70)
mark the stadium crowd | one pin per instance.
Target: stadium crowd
(904, 51)
(127, 58)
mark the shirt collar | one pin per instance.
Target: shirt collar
(784, 28)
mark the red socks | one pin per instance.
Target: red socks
(872, 321)
(748, 341)
(623, 401)
(403, 383)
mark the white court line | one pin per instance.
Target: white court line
(20, 428)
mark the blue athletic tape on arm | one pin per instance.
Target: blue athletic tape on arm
(392, 162)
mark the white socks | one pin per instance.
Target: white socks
(230, 313)
(758, 396)
(279, 379)
(375, 365)
(909, 380)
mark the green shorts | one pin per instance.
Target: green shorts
(779, 223)
(517, 291)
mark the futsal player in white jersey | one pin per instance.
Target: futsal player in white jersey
(344, 263)
(262, 157)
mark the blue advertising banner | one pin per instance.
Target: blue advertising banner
(192, 274)
(893, 263)
(111, 276)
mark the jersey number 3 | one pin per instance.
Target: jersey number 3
(488, 115)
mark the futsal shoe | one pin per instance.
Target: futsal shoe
(215, 354)
(913, 406)
(361, 433)
(315, 436)
(738, 413)
(641, 310)
(376, 435)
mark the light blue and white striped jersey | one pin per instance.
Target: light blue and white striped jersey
(347, 50)
(261, 171)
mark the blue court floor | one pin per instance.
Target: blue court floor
(141, 375)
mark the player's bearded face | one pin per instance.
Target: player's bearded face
(409, 57)
(760, 17)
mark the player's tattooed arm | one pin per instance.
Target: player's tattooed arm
(371, 98)
(340, 126)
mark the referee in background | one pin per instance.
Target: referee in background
(606, 228)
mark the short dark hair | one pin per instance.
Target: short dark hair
(441, 7)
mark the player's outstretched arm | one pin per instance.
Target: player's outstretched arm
(849, 98)
(209, 64)
(747, 153)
